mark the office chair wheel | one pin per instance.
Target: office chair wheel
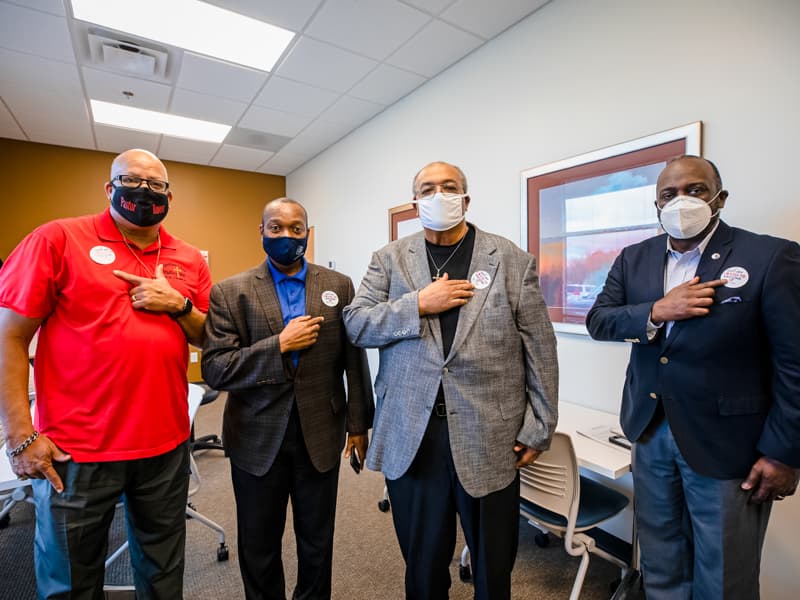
(5, 521)
(383, 505)
(222, 553)
(464, 573)
(542, 540)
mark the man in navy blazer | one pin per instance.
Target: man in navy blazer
(712, 391)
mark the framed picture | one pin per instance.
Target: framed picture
(578, 213)
(403, 220)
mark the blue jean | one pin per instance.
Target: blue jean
(699, 537)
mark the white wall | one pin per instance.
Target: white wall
(573, 77)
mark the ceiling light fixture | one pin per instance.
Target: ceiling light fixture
(192, 25)
(119, 115)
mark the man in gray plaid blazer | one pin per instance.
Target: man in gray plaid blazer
(275, 341)
(467, 387)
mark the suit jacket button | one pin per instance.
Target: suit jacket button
(653, 395)
(663, 360)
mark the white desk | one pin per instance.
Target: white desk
(611, 462)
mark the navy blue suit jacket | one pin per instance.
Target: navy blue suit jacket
(730, 381)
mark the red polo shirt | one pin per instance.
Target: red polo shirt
(110, 380)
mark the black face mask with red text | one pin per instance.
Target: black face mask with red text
(141, 206)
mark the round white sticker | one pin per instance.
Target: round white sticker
(330, 298)
(102, 255)
(480, 279)
(736, 276)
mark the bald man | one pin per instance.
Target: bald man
(115, 299)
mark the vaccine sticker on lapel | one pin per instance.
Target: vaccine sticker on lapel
(480, 279)
(330, 298)
(736, 276)
(102, 255)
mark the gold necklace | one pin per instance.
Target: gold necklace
(452, 254)
(141, 262)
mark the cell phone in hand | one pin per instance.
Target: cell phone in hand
(355, 463)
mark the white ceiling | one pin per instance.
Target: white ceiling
(349, 60)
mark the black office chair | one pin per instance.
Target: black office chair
(206, 442)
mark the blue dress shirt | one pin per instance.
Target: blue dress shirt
(291, 290)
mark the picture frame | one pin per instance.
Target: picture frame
(403, 220)
(578, 213)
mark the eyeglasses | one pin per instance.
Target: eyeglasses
(132, 181)
(429, 189)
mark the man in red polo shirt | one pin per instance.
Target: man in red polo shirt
(115, 299)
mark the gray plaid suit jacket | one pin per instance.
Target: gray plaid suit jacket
(242, 356)
(500, 379)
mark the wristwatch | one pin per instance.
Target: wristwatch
(187, 308)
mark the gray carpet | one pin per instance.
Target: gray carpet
(367, 561)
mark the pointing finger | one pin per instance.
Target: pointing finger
(130, 277)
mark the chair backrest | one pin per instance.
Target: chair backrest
(553, 481)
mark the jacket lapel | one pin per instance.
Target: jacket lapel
(484, 258)
(268, 298)
(709, 268)
(419, 273)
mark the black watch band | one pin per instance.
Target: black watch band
(187, 308)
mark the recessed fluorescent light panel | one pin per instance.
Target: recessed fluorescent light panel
(119, 115)
(192, 25)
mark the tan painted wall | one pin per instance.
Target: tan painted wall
(215, 209)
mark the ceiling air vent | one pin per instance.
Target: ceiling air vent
(127, 57)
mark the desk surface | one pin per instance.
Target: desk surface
(608, 461)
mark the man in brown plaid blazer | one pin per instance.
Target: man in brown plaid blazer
(277, 345)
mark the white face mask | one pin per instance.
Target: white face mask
(684, 217)
(441, 212)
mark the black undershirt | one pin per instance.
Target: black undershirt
(457, 268)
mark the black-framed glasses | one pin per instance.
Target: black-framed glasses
(132, 181)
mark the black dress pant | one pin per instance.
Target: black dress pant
(261, 503)
(71, 540)
(425, 501)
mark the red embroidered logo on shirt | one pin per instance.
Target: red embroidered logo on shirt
(172, 271)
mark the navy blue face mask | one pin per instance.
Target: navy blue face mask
(284, 250)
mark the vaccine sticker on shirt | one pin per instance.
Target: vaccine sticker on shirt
(102, 255)
(736, 276)
(330, 298)
(480, 279)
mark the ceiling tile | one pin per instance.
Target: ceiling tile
(386, 84)
(351, 112)
(35, 32)
(237, 157)
(315, 138)
(208, 108)
(184, 150)
(55, 7)
(281, 165)
(102, 85)
(324, 65)
(117, 139)
(487, 19)
(434, 48)
(9, 127)
(217, 78)
(26, 79)
(293, 97)
(273, 121)
(375, 29)
(433, 7)
(290, 15)
(63, 125)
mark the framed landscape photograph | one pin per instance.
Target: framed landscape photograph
(578, 213)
